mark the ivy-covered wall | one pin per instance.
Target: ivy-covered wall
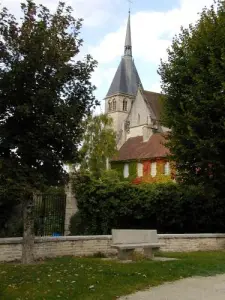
(147, 178)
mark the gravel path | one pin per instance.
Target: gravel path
(195, 288)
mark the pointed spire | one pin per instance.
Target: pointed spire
(128, 44)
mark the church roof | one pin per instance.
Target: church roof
(153, 100)
(126, 79)
(135, 149)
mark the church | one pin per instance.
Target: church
(142, 155)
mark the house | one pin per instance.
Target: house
(142, 155)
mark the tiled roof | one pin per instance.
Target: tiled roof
(135, 149)
(153, 100)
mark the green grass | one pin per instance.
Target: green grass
(92, 278)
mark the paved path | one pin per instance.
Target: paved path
(196, 288)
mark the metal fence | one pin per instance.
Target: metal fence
(48, 212)
(49, 215)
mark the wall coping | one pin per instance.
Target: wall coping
(71, 238)
(192, 236)
(14, 240)
(19, 240)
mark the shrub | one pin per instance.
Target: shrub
(169, 208)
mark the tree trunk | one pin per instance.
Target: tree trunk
(28, 231)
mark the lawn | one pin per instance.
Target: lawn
(92, 278)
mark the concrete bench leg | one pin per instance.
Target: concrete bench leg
(124, 254)
(148, 253)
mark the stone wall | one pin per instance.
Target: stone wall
(11, 248)
(192, 242)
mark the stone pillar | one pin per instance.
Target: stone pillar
(71, 206)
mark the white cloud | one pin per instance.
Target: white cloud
(95, 13)
(156, 87)
(103, 76)
(151, 32)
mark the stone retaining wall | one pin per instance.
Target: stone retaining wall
(11, 248)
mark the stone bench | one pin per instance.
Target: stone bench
(127, 240)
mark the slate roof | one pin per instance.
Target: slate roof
(126, 80)
(135, 149)
(153, 100)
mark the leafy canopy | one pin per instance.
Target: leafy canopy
(45, 93)
(99, 144)
(193, 80)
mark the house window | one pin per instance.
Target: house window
(124, 105)
(153, 169)
(126, 171)
(114, 104)
(110, 105)
(167, 168)
(140, 169)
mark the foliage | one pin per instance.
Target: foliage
(93, 278)
(168, 207)
(118, 167)
(99, 144)
(48, 214)
(44, 92)
(10, 209)
(193, 84)
(76, 224)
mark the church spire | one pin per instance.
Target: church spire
(128, 44)
(126, 80)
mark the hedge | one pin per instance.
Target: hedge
(169, 208)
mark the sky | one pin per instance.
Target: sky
(153, 25)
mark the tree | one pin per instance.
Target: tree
(194, 103)
(45, 93)
(99, 144)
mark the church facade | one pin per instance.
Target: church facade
(142, 155)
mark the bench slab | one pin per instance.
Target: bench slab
(133, 246)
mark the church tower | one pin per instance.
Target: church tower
(123, 89)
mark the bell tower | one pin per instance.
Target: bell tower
(123, 89)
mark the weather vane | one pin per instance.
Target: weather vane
(130, 2)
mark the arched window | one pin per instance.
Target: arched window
(167, 168)
(110, 105)
(124, 105)
(114, 104)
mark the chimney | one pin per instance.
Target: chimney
(147, 133)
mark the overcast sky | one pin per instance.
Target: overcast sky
(154, 23)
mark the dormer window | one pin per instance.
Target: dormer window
(114, 104)
(124, 105)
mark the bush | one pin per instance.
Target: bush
(169, 208)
